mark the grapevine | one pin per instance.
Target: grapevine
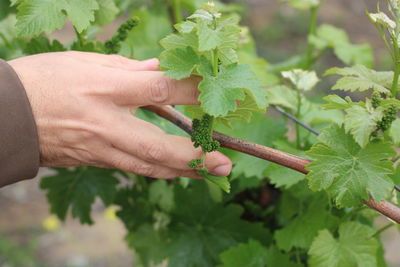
(297, 192)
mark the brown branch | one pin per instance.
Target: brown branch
(282, 158)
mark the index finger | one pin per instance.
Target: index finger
(143, 88)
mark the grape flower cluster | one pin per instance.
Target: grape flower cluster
(114, 45)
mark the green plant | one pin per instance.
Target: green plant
(273, 215)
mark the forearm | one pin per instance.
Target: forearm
(19, 147)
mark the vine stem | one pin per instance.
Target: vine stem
(396, 67)
(282, 158)
(298, 114)
(384, 228)
(311, 31)
(177, 10)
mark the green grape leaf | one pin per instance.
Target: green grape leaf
(360, 78)
(81, 13)
(36, 16)
(395, 131)
(244, 112)
(355, 54)
(42, 44)
(180, 63)
(107, 12)
(258, 66)
(283, 96)
(221, 181)
(148, 243)
(301, 230)
(261, 130)
(162, 195)
(361, 122)
(174, 41)
(77, 189)
(186, 26)
(348, 172)
(337, 39)
(301, 79)
(336, 102)
(201, 229)
(274, 257)
(5, 9)
(229, 42)
(353, 247)
(218, 94)
(282, 176)
(251, 254)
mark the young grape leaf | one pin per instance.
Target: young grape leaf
(301, 230)
(383, 19)
(395, 131)
(251, 254)
(353, 247)
(77, 189)
(301, 79)
(361, 122)
(360, 78)
(180, 63)
(219, 94)
(348, 172)
(209, 38)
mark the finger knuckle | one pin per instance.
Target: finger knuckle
(118, 59)
(160, 90)
(145, 170)
(155, 152)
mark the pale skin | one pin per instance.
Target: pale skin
(84, 106)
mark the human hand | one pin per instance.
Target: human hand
(83, 105)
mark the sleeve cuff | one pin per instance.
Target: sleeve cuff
(19, 145)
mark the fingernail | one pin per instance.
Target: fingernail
(222, 170)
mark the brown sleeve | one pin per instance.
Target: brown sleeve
(19, 145)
